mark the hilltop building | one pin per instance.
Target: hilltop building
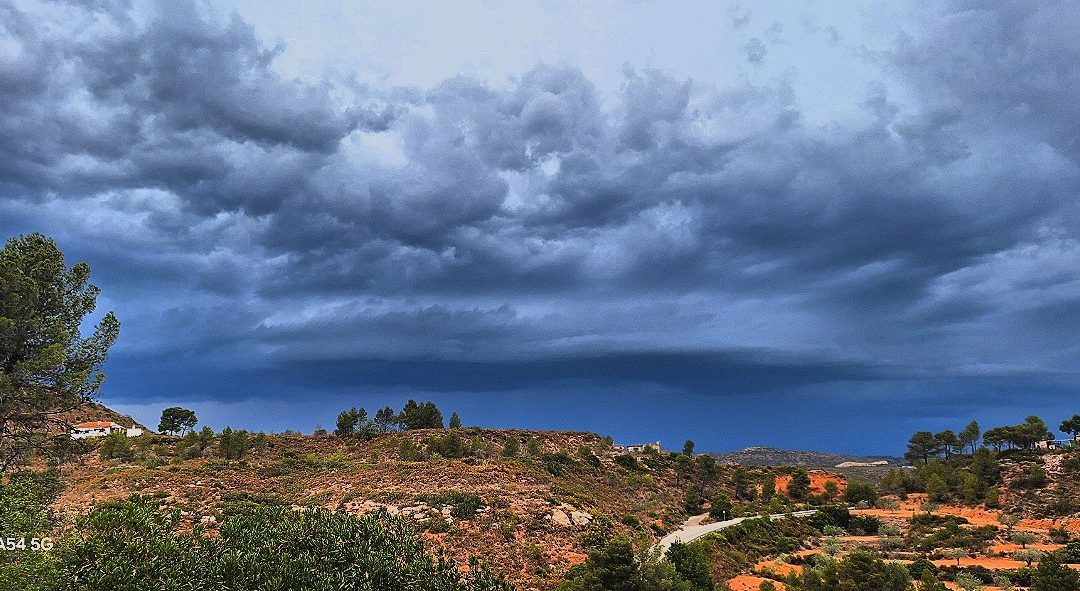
(90, 429)
(643, 447)
(1054, 444)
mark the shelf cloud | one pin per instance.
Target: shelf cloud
(242, 218)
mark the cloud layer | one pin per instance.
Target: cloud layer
(237, 216)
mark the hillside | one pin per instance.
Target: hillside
(524, 515)
(864, 468)
(95, 411)
(533, 504)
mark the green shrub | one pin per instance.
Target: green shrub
(556, 463)
(116, 446)
(408, 451)
(691, 565)
(1032, 477)
(586, 455)
(449, 445)
(511, 447)
(737, 549)
(864, 525)
(532, 447)
(614, 567)
(857, 492)
(860, 571)
(232, 445)
(24, 513)
(463, 505)
(133, 546)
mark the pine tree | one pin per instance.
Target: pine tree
(47, 367)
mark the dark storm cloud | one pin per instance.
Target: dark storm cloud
(229, 209)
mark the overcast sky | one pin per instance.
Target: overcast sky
(805, 224)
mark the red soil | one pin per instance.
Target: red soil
(1010, 548)
(987, 562)
(818, 478)
(750, 583)
(575, 557)
(778, 567)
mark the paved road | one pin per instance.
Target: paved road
(693, 528)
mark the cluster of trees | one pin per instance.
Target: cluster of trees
(414, 415)
(230, 444)
(134, 545)
(859, 571)
(701, 472)
(750, 491)
(47, 367)
(925, 446)
(614, 566)
(964, 466)
(1022, 436)
(866, 571)
(971, 479)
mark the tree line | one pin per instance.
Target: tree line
(414, 415)
(926, 445)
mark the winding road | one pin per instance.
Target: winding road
(694, 529)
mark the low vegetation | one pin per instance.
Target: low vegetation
(134, 545)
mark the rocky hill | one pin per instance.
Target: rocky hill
(525, 515)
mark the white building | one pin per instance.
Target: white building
(1053, 444)
(101, 429)
(643, 447)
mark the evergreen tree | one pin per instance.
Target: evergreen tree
(947, 442)
(385, 419)
(708, 472)
(691, 565)
(720, 508)
(1051, 575)
(688, 448)
(47, 368)
(349, 421)
(511, 447)
(937, 489)
(969, 437)
(609, 568)
(421, 416)
(922, 446)
(1071, 426)
(177, 420)
(768, 487)
(232, 445)
(799, 487)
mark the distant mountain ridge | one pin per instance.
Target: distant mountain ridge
(772, 456)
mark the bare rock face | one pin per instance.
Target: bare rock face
(559, 517)
(580, 518)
